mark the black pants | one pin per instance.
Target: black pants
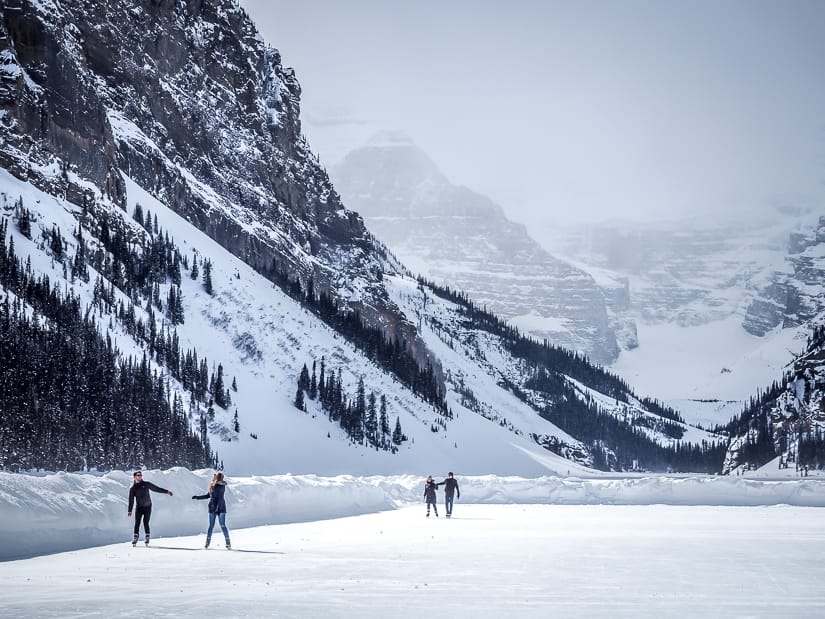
(145, 513)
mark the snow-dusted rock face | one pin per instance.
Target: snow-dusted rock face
(461, 239)
(796, 293)
(186, 99)
(786, 423)
(686, 273)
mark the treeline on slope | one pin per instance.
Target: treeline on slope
(70, 401)
(390, 353)
(613, 443)
(138, 269)
(552, 358)
(802, 442)
(616, 446)
(363, 418)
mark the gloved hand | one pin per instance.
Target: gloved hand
(194, 496)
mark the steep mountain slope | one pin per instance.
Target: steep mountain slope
(704, 293)
(459, 238)
(795, 294)
(262, 337)
(201, 112)
(785, 423)
(159, 185)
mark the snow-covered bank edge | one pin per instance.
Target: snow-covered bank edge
(43, 514)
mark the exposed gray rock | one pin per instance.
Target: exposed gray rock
(185, 98)
(796, 294)
(461, 239)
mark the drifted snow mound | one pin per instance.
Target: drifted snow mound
(55, 512)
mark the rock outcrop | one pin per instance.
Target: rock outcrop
(462, 239)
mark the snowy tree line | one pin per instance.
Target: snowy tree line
(390, 353)
(364, 417)
(613, 444)
(69, 398)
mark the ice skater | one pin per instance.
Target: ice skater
(217, 507)
(450, 488)
(139, 493)
(429, 495)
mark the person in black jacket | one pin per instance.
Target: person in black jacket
(450, 487)
(139, 493)
(429, 495)
(217, 507)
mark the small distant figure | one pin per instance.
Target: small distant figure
(429, 495)
(139, 493)
(450, 488)
(217, 507)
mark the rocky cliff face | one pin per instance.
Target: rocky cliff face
(187, 100)
(788, 420)
(685, 273)
(462, 239)
(795, 294)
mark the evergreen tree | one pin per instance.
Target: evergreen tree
(24, 220)
(299, 399)
(218, 389)
(397, 435)
(384, 421)
(207, 277)
(371, 420)
(313, 384)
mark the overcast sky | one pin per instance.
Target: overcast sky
(576, 110)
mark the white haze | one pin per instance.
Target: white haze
(574, 111)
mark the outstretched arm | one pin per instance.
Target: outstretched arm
(201, 496)
(155, 488)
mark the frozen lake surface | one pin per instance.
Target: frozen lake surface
(488, 561)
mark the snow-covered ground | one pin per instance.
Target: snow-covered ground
(54, 512)
(362, 547)
(488, 561)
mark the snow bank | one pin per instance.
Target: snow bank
(49, 513)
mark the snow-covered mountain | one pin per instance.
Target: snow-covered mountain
(462, 239)
(158, 190)
(784, 426)
(731, 300)
(795, 294)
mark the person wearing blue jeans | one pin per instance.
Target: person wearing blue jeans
(217, 507)
(450, 488)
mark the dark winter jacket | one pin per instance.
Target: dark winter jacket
(140, 492)
(429, 491)
(450, 486)
(217, 505)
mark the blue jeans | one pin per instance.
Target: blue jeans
(222, 521)
(448, 503)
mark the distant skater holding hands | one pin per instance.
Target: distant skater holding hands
(450, 488)
(429, 495)
(217, 507)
